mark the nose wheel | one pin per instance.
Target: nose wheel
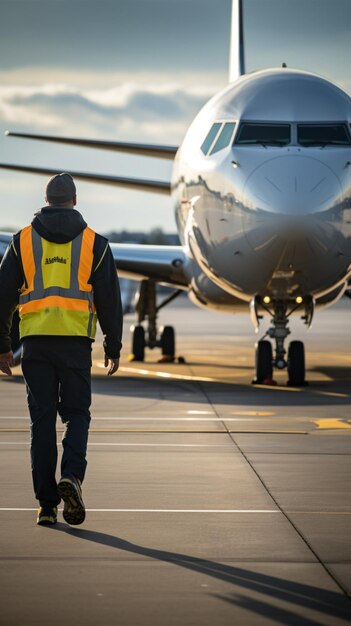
(263, 362)
(296, 363)
(294, 359)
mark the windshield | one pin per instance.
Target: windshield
(266, 134)
(210, 137)
(322, 134)
(224, 138)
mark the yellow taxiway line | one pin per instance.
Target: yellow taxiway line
(192, 378)
(332, 424)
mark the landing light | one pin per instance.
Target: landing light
(299, 299)
(266, 299)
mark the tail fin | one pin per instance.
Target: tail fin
(236, 57)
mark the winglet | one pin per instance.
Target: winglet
(236, 57)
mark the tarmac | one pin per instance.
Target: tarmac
(209, 501)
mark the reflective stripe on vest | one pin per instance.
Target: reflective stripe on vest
(57, 298)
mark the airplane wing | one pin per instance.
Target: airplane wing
(161, 152)
(158, 186)
(165, 264)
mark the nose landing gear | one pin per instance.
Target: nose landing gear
(147, 310)
(279, 331)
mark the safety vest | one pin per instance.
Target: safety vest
(56, 298)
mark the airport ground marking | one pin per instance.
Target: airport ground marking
(167, 375)
(187, 377)
(333, 394)
(194, 378)
(254, 413)
(332, 424)
(180, 431)
(156, 445)
(239, 511)
(278, 388)
(214, 419)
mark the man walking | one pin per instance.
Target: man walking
(62, 276)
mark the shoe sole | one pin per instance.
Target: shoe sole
(47, 522)
(74, 510)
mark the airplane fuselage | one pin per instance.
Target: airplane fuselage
(267, 219)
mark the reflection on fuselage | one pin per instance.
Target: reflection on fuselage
(269, 219)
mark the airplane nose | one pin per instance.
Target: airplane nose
(292, 185)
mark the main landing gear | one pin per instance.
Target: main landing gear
(147, 311)
(294, 359)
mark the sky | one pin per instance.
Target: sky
(136, 70)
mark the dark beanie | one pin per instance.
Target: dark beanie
(60, 189)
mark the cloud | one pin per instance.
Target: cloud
(130, 110)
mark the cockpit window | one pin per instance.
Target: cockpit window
(210, 137)
(224, 138)
(264, 134)
(323, 134)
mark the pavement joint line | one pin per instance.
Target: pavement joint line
(285, 513)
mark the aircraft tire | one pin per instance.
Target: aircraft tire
(168, 341)
(138, 342)
(296, 363)
(264, 361)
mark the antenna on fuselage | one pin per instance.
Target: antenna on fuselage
(236, 55)
(284, 65)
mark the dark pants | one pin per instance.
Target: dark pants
(57, 374)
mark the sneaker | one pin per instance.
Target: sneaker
(70, 491)
(47, 515)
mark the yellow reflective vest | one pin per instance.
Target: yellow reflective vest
(56, 298)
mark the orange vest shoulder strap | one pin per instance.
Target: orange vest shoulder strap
(86, 259)
(27, 256)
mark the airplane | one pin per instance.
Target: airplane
(262, 194)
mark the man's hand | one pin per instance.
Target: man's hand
(113, 363)
(6, 362)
